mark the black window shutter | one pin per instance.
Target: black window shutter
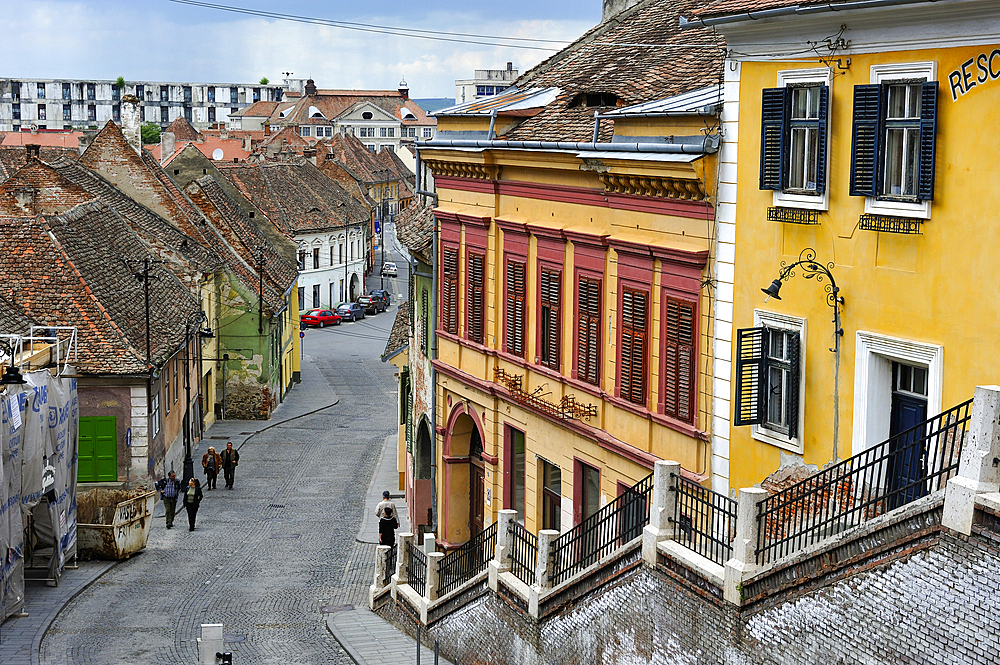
(793, 386)
(928, 131)
(824, 114)
(751, 381)
(866, 135)
(775, 107)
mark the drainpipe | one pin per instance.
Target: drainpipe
(493, 122)
(433, 345)
(597, 124)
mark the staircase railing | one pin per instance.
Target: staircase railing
(524, 553)
(705, 520)
(461, 565)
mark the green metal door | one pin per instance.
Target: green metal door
(98, 459)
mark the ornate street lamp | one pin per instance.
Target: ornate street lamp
(812, 268)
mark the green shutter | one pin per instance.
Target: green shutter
(98, 449)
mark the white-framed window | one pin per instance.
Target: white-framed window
(770, 378)
(154, 414)
(371, 147)
(428, 132)
(305, 131)
(893, 139)
(794, 139)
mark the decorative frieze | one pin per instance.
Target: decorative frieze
(463, 170)
(670, 188)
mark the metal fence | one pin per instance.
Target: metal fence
(611, 527)
(524, 554)
(705, 520)
(461, 565)
(416, 561)
(903, 468)
(390, 565)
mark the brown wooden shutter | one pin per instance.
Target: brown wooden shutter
(588, 330)
(551, 319)
(476, 297)
(679, 361)
(449, 291)
(633, 352)
(514, 330)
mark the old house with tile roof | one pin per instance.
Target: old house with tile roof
(571, 346)
(330, 227)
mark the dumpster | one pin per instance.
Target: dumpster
(113, 524)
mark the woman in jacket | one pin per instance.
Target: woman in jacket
(387, 526)
(211, 462)
(192, 499)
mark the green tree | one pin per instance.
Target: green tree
(264, 81)
(120, 83)
(150, 133)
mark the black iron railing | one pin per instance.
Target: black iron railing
(416, 561)
(611, 527)
(524, 553)
(390, 565)
(705, 520)
(903, 468)
(461, 565)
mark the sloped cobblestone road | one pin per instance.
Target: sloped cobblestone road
(269, 556)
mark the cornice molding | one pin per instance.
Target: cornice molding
(463, 170)
(668, 188)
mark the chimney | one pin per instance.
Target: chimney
(310, 87)
(248, 143)
(510, 66)
(310, 154)
(131, 122)
(404, 89)
(267, 129)
(34, 128)
(32, 149)
(166, 146)
(85, 140)
(223, 131)
(613, 7)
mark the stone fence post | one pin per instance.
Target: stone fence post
(544, 568)
(662, 509)
(979, 468)
(430, 543)
(504, 547)
(744, 560)
(433, 575)
(406, 541)
(381, 564)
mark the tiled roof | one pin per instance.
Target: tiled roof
(391, 160)
(182, 130)
(51, 139)
(332, 104)
(352, 153)
(13, 320)
(399, 336)
(68, 270)
(12, 158)
(727, 7)
(287, 137)
(296, 196)
(229, 149)
(415, 229)
(256, 110)
(241, 243)
(606, 60)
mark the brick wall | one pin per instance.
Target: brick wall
(932, 606)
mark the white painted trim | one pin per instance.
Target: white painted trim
(759, 432)
(873, 382)
(804, 201)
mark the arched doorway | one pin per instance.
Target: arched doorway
(355, 287)
(464, 484)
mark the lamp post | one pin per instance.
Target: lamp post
(811, 268)
(143, 275)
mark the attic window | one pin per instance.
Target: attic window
(595, 99)
(177, 171)
(251, 214)
(407, 114)
(367, 115)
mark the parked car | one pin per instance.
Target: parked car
(351, 310)
(389, 269)
(319, 317)
(383, 294)
(372, 304)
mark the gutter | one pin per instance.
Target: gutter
(706, 145)
(796, 10)
(710, 110)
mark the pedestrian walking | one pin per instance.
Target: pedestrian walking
(211, 462)
(169, 488)
(230, 460)
(386, 502)
(387, 526)
(192, 499)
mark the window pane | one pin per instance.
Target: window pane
(777, 351)
(896, 107)
(797, 158)
(913, 102)
(910, 162)
(920, 380)
(776, 398)
(894, 138)
(591, 491)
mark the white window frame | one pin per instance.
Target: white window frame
(883, 74)
(766, 319)
(873, 358)
(822, 76)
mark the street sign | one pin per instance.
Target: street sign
(302, 333)
(378, 226)
(128, 437)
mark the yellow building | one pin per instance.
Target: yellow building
(574, 288)
(857, 139)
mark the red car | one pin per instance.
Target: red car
(319, 317)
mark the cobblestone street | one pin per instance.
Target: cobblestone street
(271, 558)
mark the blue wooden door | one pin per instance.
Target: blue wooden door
(907, 467)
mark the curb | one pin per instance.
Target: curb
(343, 641)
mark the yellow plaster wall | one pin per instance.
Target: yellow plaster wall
(936, 288)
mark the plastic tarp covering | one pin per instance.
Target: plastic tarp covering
(38, 435)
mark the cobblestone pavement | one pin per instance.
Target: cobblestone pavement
(270, 558)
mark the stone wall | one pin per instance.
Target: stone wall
(936, 605)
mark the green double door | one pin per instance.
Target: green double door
(98, 459)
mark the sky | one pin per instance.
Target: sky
(160, 40)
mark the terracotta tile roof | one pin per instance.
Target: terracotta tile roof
(183, 130)
(726, 7)
(68, 270)
(256, 110)
(51, 139)
(390, 160)
(12, 158)
(333, 104)
(399, 336)
(296, 196)
(240, 243)
(287, 137)
(606, 60)
(230, 149)
(348, 149)
(13, 320)
(415, 229)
